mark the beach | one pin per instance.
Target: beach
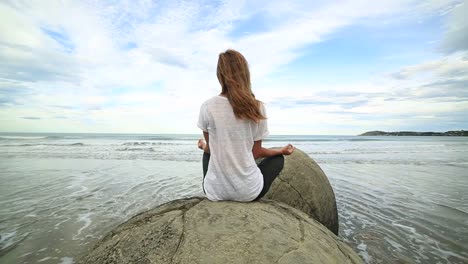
(400, 199)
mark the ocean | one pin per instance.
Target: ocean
(400, 199)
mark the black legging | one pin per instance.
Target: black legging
(270, 168)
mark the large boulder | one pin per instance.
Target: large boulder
(303, 185)
(199, 231)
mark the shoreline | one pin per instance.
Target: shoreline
(457, 133)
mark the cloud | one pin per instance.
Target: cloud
(318, 101)
(13, 93)
(456, 36)
(446, 67)
(62, 38)
(148, 65)
(433, 91)
(5, 101)
(442, 79)
(22, 63)
(451, 88)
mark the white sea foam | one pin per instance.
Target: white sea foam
(362, 247)
(21, 137)
(26, 254)
(57, 225)
(44, 259)
(394, 244)
(66, 260)
(85, 218)
(6, 239)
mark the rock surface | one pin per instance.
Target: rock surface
(199, 231)
(303, 185)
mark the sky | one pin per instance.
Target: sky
(320, 67)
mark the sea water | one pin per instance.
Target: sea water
(400, 199)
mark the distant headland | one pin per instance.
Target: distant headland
(459, 133)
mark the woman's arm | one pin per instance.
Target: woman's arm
(261, 152)
(206, 148)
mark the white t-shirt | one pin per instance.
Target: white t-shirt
(232, 171)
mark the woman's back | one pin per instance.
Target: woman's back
(232, 171)
(234, 125)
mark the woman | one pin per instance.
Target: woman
(234, 125)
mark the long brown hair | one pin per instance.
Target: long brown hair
(234, 77)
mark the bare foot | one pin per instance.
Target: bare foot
(201, 144)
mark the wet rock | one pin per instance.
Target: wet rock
(199, 231)
(303, 185)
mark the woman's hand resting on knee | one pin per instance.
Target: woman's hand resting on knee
(287, 150)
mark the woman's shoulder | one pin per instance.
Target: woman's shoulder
(262, 107)
(214, 99)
